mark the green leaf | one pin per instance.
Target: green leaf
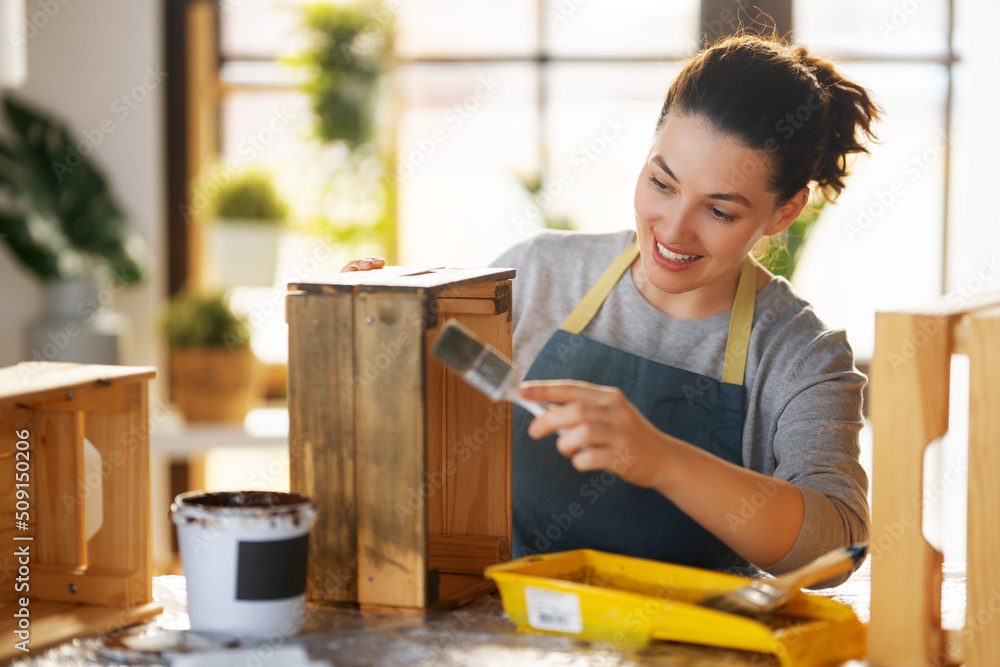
(70, 207)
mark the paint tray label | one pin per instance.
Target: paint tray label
(551, 610)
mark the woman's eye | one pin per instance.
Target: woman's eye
(659, 185)
(719, 215)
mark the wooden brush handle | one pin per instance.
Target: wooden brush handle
(821, 569)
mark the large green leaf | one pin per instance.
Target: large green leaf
(44, 179)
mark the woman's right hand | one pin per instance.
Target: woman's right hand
(366, 264)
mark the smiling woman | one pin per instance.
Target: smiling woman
(726, 410)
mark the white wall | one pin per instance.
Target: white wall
(83, 56)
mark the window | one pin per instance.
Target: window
(487, 96)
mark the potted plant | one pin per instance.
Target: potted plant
(213, 372)
(247, 216)
(61, 221)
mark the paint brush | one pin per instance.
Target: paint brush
(763, 596)
(481, 365)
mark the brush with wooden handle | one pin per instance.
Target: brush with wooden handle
(764, 596)
(481, 365)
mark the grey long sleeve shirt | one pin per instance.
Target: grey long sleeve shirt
(802, 411)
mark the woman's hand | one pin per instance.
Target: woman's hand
(366, 264)
(600, 429)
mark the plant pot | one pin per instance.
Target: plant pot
(214, 383)
(74, 326)
(243, 253)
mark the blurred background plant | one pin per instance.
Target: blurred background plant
(780, 253)
(349, 49)
(203, 320)
(57, 212)
(214, 376)
(248, 195)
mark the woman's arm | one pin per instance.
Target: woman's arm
(759, 517)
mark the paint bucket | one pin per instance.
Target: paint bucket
(244, 556)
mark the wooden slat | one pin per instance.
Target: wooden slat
(434, 495)
(466, 554)
(57, 502)
(34, 379)
(407, 279)
(392, 544)
(478, 434)
(982, 648)
(113, 396)
(55, 622)
(321, 383)
(455, 590)
(910, 375)
(88, 585)
(124, 541)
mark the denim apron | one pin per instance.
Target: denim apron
(557, 508)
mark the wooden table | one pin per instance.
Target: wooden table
(478, 634)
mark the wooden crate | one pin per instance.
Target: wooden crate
(410, 467)
(76, 586)
(910, 392)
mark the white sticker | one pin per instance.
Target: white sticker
(549, 610)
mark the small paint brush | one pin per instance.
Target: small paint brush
(763, 597)
(481, 365)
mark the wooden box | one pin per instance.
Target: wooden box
(74, 518)
(409, 466)
(910, 396)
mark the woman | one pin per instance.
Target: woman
(705, 415)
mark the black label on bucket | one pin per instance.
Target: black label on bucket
(271, 570)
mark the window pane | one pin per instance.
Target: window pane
(603, 28)
(259, 28)
(599, 125)
(466, 28)
(879, 247)
(465, 135)
(892, 27)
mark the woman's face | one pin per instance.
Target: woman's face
(701, 204)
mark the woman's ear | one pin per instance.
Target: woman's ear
(788, 212)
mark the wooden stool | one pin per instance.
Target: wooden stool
(910, 388)
(74, 474)
(409, 466)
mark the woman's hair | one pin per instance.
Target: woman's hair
(777, 98)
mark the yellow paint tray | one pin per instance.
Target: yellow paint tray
(628, 601)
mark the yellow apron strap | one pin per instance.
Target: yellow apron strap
(740, 323)
(599, 291)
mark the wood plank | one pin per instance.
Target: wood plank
(87, 585)
(434, 495)
(321, 384)
(406, 280)
(58, 509)
(112, 396)
(461, 589)
(982, 646)
(124, 541)
(435, 282)
(391, 463)
(31, 379)
(910, 375)
(466, 554)
(465, 306)
(478, 434)
(55, 622)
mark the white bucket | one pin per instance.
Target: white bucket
(244, 556)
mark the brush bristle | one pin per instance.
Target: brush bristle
(479, 364)
(457, 347)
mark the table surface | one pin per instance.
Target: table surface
(479, 634)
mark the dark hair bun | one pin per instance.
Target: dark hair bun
(780, 99)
